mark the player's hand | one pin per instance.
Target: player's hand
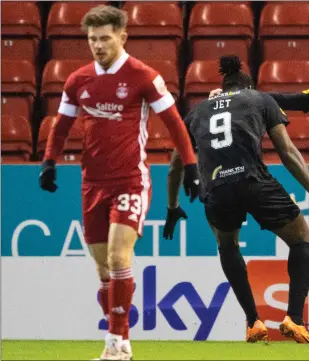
(48, 176)
(173, 216)
(191, 182)
(215, 92)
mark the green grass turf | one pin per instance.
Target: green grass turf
(156, 350)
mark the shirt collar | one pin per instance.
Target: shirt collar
(115, 67)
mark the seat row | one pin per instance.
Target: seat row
(157, 29)
(17, 144)
(19, 87)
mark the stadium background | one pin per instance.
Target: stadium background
(49, 282)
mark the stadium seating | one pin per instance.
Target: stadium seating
(64, 30)
(16, 143)
(157, 35)
(18, 87)
(55, 74)
(284, 31)
(201, 78)
(298, 130)
(284, 76)
(169, 73)
(155, 32)
(221, 28)
(74, 144)
(159, 137)
(20, 30)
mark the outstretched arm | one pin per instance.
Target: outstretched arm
(292, 101)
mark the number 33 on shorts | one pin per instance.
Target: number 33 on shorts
(131, 203)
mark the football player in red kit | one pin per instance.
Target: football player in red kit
(112, 96)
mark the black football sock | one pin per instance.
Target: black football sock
(298, 269)
(235, 270)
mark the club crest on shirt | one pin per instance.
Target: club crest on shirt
(122, 90)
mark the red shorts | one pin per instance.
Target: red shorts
(103, 205)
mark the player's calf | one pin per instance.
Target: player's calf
(296, 235)
(122, 239)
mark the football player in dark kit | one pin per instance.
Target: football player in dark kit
(228, 130)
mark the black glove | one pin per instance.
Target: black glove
(48, 176)
(191, 181)
(173, 215)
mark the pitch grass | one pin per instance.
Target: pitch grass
(156, 350)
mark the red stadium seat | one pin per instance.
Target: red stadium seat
(271, 157)
(159, 137)
(64, 29)
(16, 143)
(20, 30)
(284, 31)
(18, 87)
(159, 157)
(154, 31)
(221, 28)
(298, 130)
(284, 76)
(73, 146)
(55, 75)
(202, 77)
(169, 73)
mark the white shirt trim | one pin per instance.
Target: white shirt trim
(115, 67)
(163, 103)
(68, 109)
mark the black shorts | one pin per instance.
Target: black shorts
(268, 202)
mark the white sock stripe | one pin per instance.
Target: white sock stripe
(122, 271)
(122, 274)
(105, 285)
(122, 278)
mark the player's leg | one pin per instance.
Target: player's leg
(99, 253)
(278, 213)
(96, 205)
(121, 241)
(225, 214)
(127, 217)
(296, 235)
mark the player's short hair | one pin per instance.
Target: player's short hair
(230, 67)
(104, 15)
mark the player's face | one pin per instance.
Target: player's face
(106, 43)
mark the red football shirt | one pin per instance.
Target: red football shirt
(113, 106)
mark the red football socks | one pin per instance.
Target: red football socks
(119, 299)
(103, 297)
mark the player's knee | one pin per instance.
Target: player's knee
(118, 261)
(230, 256)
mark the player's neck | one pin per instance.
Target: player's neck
(119, 54)
(234, 88)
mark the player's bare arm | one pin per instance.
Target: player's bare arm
(175, 177)
(290, 155)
